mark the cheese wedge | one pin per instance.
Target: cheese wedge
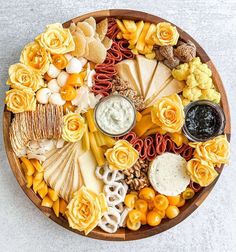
(146, 68)
(158, 82)
(127, 70)
(88, 165)
(172, 87)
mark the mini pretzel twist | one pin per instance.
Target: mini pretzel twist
(107, 175)
(124, 216)
(110, 220)
(115, 193)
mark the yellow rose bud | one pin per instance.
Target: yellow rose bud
(122, 156)
(22, 76)
(166, 34)
(56, 39)
(168, 113)
(215, 150)
(85, 210)
(73, 127)
(35, 56)
(201, 172)
(20, 100)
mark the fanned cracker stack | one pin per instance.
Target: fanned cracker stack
(43, 123)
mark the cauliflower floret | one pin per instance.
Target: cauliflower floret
(185, 101)
(199, 79)
(181, 72)
(192, 94)
(211, 95)
(194, 63)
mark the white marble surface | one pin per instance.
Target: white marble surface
(212, 227)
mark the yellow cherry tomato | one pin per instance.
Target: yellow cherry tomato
(47, 77)
(151, 205)
(144, 218)
(135, 216)
(141, 205)
(153, 218)
(133, 226)
(75, 79)
(162, 213)
(172, 211)
(67, 107)
(60, 61)
(68, 93)
(134, 192)
(173, 200)
(188, 193)
(181, 202)
(130, 200)
(161, 202)
(147, 193)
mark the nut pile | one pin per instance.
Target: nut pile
(122, 87)
(136, 176)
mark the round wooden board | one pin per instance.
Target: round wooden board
(145, 231)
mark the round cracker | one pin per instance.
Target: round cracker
(91, 21)
(102, 28)
(86, 28)
(97, 52)
(80, 45)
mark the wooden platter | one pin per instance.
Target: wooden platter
(144, 231)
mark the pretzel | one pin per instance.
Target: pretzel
(107, 175)
(110, 220)
(115, 193)
(124, 216)
(119, 207)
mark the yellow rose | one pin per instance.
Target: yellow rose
(201, 172)
(166, 34)
(168, 113)
(56, 39)
(20, 100)
(122, 155)
(22, 76)
(85, 210)
(35, 56)
(73, 127)
(215, 150)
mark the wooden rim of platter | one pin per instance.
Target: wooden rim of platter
(145, 231)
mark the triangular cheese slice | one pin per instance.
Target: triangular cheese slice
(88, 164)
(160, 77)
(146, 68)
(173, 87)
(127, 70)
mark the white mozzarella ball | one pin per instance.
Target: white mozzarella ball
(42, 95)
(56, 99)
(53, 72)
(83, 61)
(62, 78)
(74, 66)
(53, 86)
(68, 56)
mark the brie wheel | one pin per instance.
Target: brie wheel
(167, 174)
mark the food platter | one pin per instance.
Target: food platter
(123, 233)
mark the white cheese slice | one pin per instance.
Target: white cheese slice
(128, 71)
(88, 165)
(146, 68)
(61, 170)
(158, 82)
(172, 87)
(167, 174)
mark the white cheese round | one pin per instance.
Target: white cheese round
(167, 174)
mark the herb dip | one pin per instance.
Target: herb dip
(115, 115)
